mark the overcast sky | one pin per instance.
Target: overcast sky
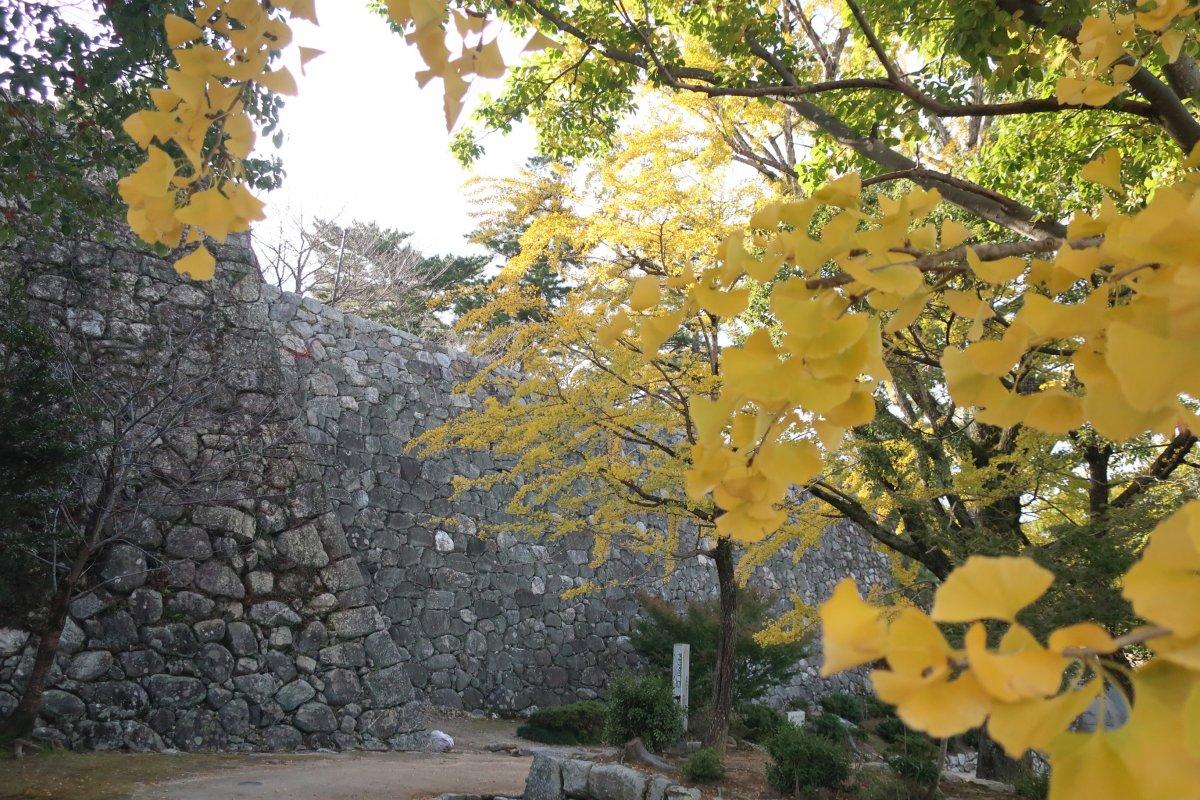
(361, 136)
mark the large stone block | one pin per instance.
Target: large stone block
(616, 782)
(388, 687)
(175, 691)
(545, 778)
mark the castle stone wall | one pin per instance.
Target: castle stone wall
(346, 588)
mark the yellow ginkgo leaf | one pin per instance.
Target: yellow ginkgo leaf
(1105, 170)
(843, 192)
(454, 97)
(710, 416)
(1020, 669)
(1088, 766)
(1152, 370)
(722, 303)
(792, 462)
(211, 212)
(1054, 411)
(279, 81)
(990, 587)
(1000, 270)
(199, 264)
(996, 357)
(644, 294)
(954, 233)
(654, 331)
(488, 62)
(1081, 636)
(1164, 585)
(1034, 723)
(180, 30)
(303, 9)
(540, 41)
(853, 632)
(307, 54)
(608, 333)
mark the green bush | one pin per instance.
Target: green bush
(1032, 787)
(704, 765)
(757, 667)
(890, 729)
(853, 708)
(829, 727)
(642, 707)
(885, 787)
(921, 771)
(574, 723)
(911, 743)
(801, 761)
(757, 722)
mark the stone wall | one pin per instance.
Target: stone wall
(333, 598)
(232, 617)
(479, 619)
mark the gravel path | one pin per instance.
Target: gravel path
(473, 768)
(394, 776)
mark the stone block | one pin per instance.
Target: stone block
(616, 782)
(545, 778)
(575, 778)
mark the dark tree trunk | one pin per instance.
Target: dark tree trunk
(722, 697)
(994, 763)
(23, 717)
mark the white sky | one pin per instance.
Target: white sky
(363, 138)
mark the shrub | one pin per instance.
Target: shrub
(1031, 786)
(642, 707)
(758, 722)
(803, 761)
(918, 769)
(757, 667)
(854, 708)
(890, 729)
(914, 744)
(885, 787)
(574, 723)
(704, 765)
(829, 727)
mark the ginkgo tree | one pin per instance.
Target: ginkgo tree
(594, 437)
(1081, 317)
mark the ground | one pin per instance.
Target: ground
(470, 769)
(482, 764)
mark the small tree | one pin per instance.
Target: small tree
(127, 455)
(365, 269)
(757, 667)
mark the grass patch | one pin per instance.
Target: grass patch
(63, 775)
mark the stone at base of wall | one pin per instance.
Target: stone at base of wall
(554, 776)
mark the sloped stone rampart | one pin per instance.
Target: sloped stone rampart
(340, 587)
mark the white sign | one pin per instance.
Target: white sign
(681, 675)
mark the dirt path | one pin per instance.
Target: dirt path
(394, 776)
(470, 769)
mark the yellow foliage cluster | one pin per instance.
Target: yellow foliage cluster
(199, 133)
(428, 33)
(1029, 692)
(1111, 47)
(1122, 358)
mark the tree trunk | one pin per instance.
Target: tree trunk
(722, 697)
(23, 717)
(994, 763)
